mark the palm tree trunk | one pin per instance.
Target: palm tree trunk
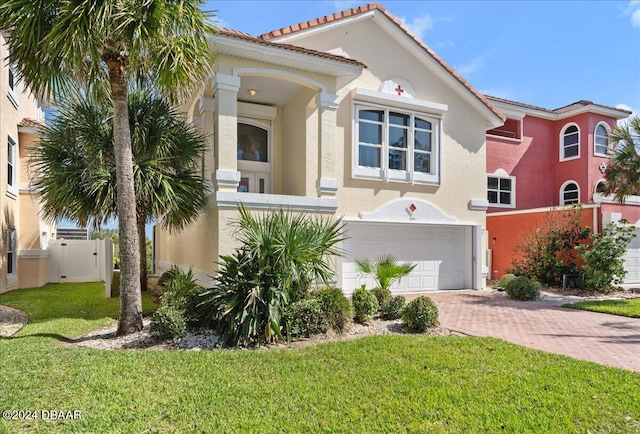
(130, 319)
(142, 237)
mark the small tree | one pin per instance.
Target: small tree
(549, 252)
(604, 258)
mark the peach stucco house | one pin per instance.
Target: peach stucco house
(348, 115)
(24, 236)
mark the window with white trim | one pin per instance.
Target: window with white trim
(570, 142)
(12, 186)
(601, 141)
(13, 84)
(569, 193)
(501, 191)
(396, 145)
(11, 250)
(600, 187)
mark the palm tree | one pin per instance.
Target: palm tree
(74, 173)
(623, 172)
(58, 45)
(385, 269)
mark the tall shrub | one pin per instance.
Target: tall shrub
(550, 250)
(281, 254)
(604, 258)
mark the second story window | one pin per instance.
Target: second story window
(601, 141)
(12, 186)
(401, 144)
(570, 143)
(13, 85)
(569, 193)
(501, 191)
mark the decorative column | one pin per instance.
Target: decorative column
(327, 183)
(208, 122)
(225, 92)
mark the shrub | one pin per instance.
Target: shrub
(549, 251)
(523, 288)
(420, 314)
(504, 280)
(305, 318)
(604, 258)
(382, 294)
(365, 304)
(392, 308)
(281, 253)
(168, 322)
(336, 307)
(181, 291)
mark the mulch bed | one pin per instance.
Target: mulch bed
(11, 321)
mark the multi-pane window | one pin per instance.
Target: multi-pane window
(11, 250)
(370, 127)
(601, 140)
(570, 142)
(570, 194)
(11, 165)
(397, 141)
(13, 84)
(500, 191)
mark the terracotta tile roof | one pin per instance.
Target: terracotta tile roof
(375, 6)
(564, 109)
(516, 103)
(248, 37)
(30, 123)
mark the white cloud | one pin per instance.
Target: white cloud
(633, 10)
(418, 26)
(629, 108)
(474, 65)
(220, 23)
(449, 45)
(340, 5)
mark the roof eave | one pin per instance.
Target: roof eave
(434, 63)
(236, 47)
(551, 115)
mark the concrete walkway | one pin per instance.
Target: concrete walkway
(607, 339)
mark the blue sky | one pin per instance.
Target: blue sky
(546, 53)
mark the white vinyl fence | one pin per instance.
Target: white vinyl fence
(81, 261)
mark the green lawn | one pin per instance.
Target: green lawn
(407, 383)
(630, 307)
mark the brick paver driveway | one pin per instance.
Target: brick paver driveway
(601, 338)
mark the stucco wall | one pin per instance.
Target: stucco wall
(507, 231)
(463, 129)
(12, 114)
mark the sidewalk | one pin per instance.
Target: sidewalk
(607, 339)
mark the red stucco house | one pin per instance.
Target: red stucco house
(549, 159)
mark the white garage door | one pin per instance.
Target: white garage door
(443, 254)
(632, 260)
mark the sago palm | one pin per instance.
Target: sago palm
(73, 165)
(58, 45)
(623, 172)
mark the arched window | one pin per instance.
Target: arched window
(600, 187)
(601, 140)
(570, 142)
(569, 193)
